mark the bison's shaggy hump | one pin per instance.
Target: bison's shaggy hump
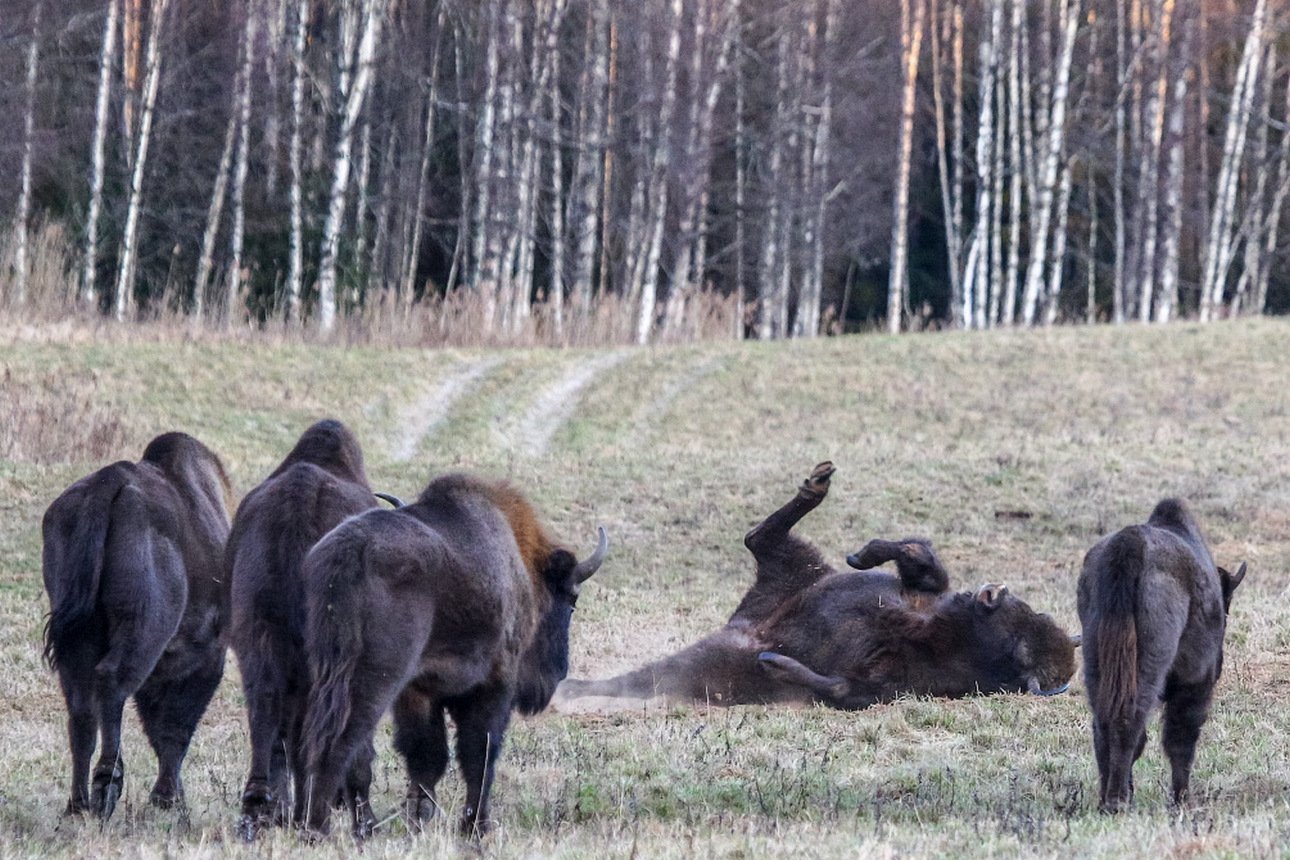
(456, 605)
(805, 632)
(320, 482)
(131, 564)
(1153, 606)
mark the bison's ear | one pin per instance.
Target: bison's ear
(1229, 582)
(991, 596)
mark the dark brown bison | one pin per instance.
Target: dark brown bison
(1153, 606)
(458, 603)
(321, 482)
(131, 564)
(807, 633)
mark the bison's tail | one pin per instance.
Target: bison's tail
(1117, 632)
(333, 645)
(75, 544)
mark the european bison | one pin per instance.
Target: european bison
(807, 633)
(460, 603)
(131, 563)
(1153, 606)
(320, 483)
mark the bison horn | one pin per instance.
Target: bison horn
(589, 565)
(393, 500)
(1033, 686)
(1077, 639)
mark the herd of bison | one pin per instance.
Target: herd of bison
(458, 604)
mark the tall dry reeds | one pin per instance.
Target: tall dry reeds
(455, 319)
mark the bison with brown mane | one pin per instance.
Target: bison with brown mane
(320, 482)
(1154, 607)
(131, 563)
(807, 633)
(457, 604)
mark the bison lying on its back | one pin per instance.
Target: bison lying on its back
(1154, 610)
(808, 633)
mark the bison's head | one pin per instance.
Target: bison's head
(1020, 650)
(546, 662)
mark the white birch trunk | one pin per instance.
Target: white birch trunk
(1273, 221)
(23, 215)
(1017, 174)
(125, 278)
(768, 323)
(353, 105)
(975, 304)
(240, 167)
(215, 209)
(911, 39)
(1057, 258)
(584, 202)
(102, 104)
(295, 265)
(1149, 171)
(1056, 139)
(484, 276)
(658, 180)
(941, 29)
(412, 249)
(1118, 285)
(1171, 217)
(1218, 247)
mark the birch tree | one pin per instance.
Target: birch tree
(1056, 142)
(125, 279)
(1218, 250)
(23, 215)
(911, 39)
(361, 61)
(240, 166)
(102, 104)
(657, 178)
(295, 265)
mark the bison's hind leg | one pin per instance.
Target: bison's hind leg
(421, 737)
(767, 535)
(170, 711)
(1186, 709)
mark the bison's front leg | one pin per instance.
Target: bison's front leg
(916, 563)
(481, 725)
(421, 737)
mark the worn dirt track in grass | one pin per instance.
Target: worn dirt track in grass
(678, 452)
(420, 421)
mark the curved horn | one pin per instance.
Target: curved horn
(1033, 687)
(1077, 639)
(583, 570)
(393, 500)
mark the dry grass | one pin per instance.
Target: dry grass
(679, 450)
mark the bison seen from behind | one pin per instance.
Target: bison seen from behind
(131, 563)
(807, 633)
(321, 482)
(1153, 606)
(457, 604)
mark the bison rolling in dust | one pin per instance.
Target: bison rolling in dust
(131, 564)
(1153, 606)
(807, 633)
(321, 482)
(458, 603)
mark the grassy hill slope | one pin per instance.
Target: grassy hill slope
(678, 451)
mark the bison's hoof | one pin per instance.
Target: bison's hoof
(419, 811)
(474, 826)
(77, 806)
(817, 484)
(106, 791)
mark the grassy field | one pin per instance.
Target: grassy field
(678, 451)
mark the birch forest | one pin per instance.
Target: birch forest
(786, 168)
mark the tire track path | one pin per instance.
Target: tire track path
(425, 416)
(553, 408)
